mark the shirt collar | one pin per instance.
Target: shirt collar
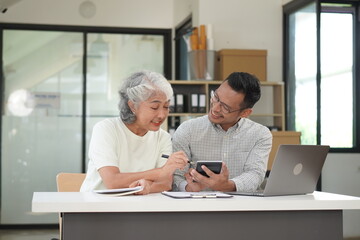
(234, 128)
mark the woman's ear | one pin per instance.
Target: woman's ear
(131, 106)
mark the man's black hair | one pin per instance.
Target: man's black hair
(247, 84)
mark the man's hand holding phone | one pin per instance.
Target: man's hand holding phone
(216, 178)
(213, 166)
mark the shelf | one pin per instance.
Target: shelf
(264, 83)
(269, 111)
(194, 82)
(267, 115)
(186, 114)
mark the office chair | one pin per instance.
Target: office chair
(68, 182)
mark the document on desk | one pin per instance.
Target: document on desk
(120, 191)
(196, 194)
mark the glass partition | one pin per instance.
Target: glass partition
(53, 95)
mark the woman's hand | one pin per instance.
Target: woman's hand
(177, 160)
(144, 183)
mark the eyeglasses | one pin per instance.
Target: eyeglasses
(223, 107)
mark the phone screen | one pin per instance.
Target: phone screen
(214, 166)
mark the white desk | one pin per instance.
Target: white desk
(154, 216)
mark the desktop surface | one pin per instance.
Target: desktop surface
(93, 202)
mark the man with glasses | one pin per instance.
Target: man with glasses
(225, 134)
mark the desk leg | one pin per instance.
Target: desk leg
(294, 225)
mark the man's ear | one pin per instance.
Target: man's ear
(246, 112)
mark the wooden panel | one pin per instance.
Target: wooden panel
(279, 106)
(282, 137)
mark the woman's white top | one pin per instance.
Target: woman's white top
(113, 144)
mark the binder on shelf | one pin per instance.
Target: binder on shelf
(173, 124)
(179, 103)
(172, 104)
(171, 132)
(194, 103)
(202, 103)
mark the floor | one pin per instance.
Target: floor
(45, 234)
(29, 234)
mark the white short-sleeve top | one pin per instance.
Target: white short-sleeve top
(113, 144)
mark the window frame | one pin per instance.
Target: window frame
(180, 30)
(292, 7)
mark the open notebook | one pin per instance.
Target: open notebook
(119, 191)
(296, 170)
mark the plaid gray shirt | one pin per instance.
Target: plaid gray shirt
(244, 148)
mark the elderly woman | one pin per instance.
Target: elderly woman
(126, 151)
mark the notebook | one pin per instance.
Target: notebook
(296, 170)
(119, 191)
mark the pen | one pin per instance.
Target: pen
(211, 195)
(167, 156)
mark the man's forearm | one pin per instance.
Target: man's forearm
(228, 186)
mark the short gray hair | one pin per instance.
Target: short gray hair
(139, 87)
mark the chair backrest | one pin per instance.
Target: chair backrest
(69, 182)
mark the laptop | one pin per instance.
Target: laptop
(296, 170)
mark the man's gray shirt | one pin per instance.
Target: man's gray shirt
(244, 148)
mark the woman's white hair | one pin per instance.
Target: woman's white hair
(139, 87)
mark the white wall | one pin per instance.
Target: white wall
(286, 1)
(110, 13)
(183, 8)
(255, 24)
(341, 174)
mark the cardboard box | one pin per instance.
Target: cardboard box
(241, 60)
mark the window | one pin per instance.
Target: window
(321, 72)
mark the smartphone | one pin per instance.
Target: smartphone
(214, 166)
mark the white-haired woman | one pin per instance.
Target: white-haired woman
(126, 151)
